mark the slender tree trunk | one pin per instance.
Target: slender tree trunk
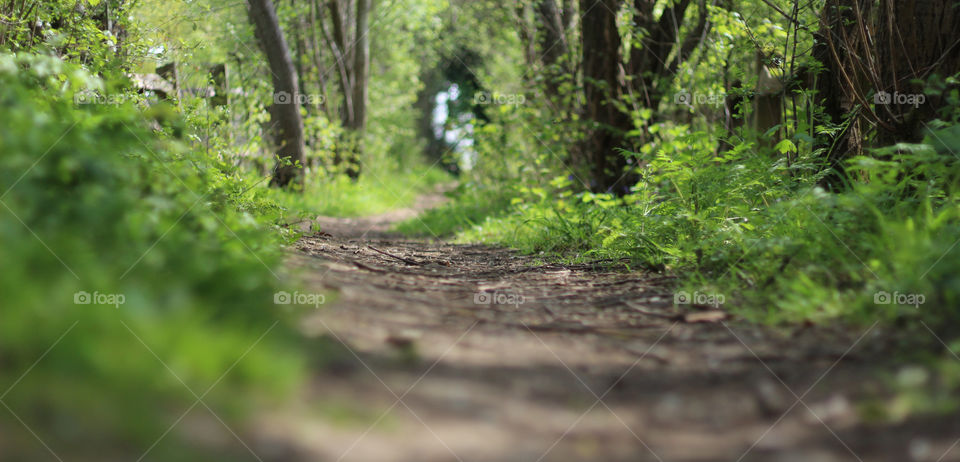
(351, 45)
(337, 41)
(285, 111)
(316, 18)
(361, 66)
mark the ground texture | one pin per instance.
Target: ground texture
(442, 352)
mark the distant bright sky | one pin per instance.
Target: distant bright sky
(460, 133)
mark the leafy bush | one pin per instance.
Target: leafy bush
(748, 223)
(96, 204)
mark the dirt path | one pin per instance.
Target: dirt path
(567, 363)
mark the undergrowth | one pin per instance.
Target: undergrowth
(755, 227)
(144, 270)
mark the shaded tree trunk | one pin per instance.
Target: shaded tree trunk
(654, 63)
(285, 111)
(872, 50)
(650, 69)
(603, 85)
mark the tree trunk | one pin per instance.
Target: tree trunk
(285, 112)
(361, 66)
(873, 51)
(607, 124)
(914, 40)
(650, 69)
(316, 18)
(360, 51)
(337, 42)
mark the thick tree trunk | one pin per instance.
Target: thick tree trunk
(651, 67)
(873, 51)
(915, 39)
(285, 110)
(607, 124)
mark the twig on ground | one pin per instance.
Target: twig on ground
(405, 260)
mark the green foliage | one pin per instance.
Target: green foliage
(765, 232)
(96, 202)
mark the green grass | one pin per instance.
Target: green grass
(471, 205)
(373, 193)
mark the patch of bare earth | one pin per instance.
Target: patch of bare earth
(445, 352)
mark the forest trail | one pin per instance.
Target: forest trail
(595, 364)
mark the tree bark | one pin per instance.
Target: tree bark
(610, 82)
(603, 85)
(876, 49)
(361, 66)
(284, 111)
(338, 45)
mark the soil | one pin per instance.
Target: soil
(433, 351)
